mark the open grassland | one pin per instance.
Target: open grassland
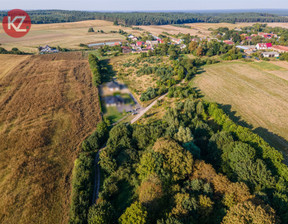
(258, 92)
(47, 107)
(67, 35)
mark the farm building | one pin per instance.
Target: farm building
(113, 86)
(280, 49)
(263, 46)
(271, 54)
(126, 50)
(111, 101)
(47, 50)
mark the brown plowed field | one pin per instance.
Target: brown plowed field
(47, 106)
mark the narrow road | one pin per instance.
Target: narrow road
(97, 179)
(142, 112)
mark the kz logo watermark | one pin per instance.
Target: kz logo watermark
(17, 23)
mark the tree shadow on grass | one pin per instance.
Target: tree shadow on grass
(107, 70)
(271, 138)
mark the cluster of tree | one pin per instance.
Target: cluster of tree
(149, 94)
(95, 69)
(14, 50)
(148, 18)
(169, 75)
(91, 30)
(97, 139)
(284, 57)
(212, 48)
(159, 172)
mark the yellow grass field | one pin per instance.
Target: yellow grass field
(47, 107)
(200, 29)
(68, 35)
(257, 93)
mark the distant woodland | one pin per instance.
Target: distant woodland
(149, 18)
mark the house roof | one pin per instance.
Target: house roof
(113, 100)
(279, 47)
(228, 42)
(270, 53)
(112, 85)
(265, 44)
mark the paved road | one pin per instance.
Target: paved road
(142, 112)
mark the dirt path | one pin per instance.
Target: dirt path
(142, 112)
(97, 179)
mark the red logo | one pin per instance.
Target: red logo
(17, 23)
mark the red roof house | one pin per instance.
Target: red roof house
(139, 43)
(229, 42)
(263, 46)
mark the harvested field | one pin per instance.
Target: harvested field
(200, 29)
(67, 35)
(47, 106)
(251, 94)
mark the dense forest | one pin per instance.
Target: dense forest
(148, 18)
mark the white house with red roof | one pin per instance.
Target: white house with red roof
(263, 46)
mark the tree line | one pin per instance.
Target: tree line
(147, 18)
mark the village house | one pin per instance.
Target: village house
(263, 46)
(113, 86)
(47, 50)
(229, 42)
(111, 101)
(140, 43)
(280, 49)
(267, 35)
(152, 42)
(177, 41)
(270, 54)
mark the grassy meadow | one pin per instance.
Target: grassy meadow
(255, 92)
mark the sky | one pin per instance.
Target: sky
(142, 5)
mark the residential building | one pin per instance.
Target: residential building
(280, 49)
(263, 46)
(270, 54)
(113, 86)
(111, 101)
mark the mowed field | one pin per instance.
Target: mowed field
(199, 29)
(47, 107)
(67, 35)
(256, 93)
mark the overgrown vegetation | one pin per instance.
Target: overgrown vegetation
(193, 165)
